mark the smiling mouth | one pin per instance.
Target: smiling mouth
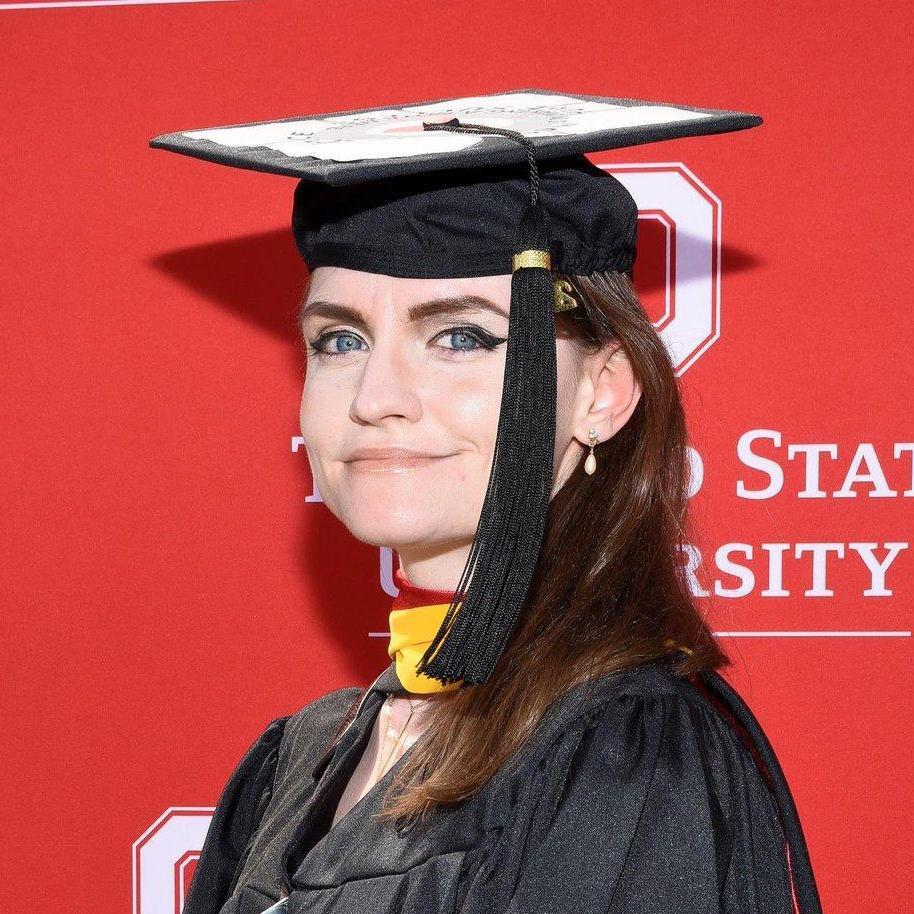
(391, 464)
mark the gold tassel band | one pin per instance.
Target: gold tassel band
(532, 258)
(563, 300)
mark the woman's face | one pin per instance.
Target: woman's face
(417, 365)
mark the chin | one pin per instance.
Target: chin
(400, 529)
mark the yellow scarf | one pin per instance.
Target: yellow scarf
(411, 632)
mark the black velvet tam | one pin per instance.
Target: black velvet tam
(462, 222)
(380, 193)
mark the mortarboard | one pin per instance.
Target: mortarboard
(476, 186)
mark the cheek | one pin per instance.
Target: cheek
(319, 420)
(326, 401)
(307, 414)
(467, 407)
(472, 408)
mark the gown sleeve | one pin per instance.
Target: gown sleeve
(663, 811)
(234, 823)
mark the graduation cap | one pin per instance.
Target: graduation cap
(477, 186)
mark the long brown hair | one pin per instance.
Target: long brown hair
(608, 592)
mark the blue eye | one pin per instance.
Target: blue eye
(466, 335)
(336, 335)
(483, 339)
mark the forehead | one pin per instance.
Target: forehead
(360, 289)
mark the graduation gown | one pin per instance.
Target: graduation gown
(638, 792)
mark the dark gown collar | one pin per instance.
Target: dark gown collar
(388, 682)
(409, 596)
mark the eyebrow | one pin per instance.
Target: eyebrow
(458, 304)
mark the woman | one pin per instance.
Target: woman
(550, 735)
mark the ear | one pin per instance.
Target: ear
(607, 396)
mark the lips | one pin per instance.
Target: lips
(390, 460)
(390, 453)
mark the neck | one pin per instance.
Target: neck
(411, 595)
(433, 566)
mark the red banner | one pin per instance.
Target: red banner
(173, 578)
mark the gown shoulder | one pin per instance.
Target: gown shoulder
(248, 790)
(660, 807)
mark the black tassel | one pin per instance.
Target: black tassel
(497, 576)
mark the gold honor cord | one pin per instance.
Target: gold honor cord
(411, 632)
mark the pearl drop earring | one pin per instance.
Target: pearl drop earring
(590, 464)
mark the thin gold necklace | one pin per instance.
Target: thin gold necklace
(388, 704)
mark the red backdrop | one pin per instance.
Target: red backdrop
(170, 587)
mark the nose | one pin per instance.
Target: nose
(386, 386)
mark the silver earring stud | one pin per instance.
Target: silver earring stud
(590, 464)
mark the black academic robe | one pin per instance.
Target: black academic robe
(639, 792)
